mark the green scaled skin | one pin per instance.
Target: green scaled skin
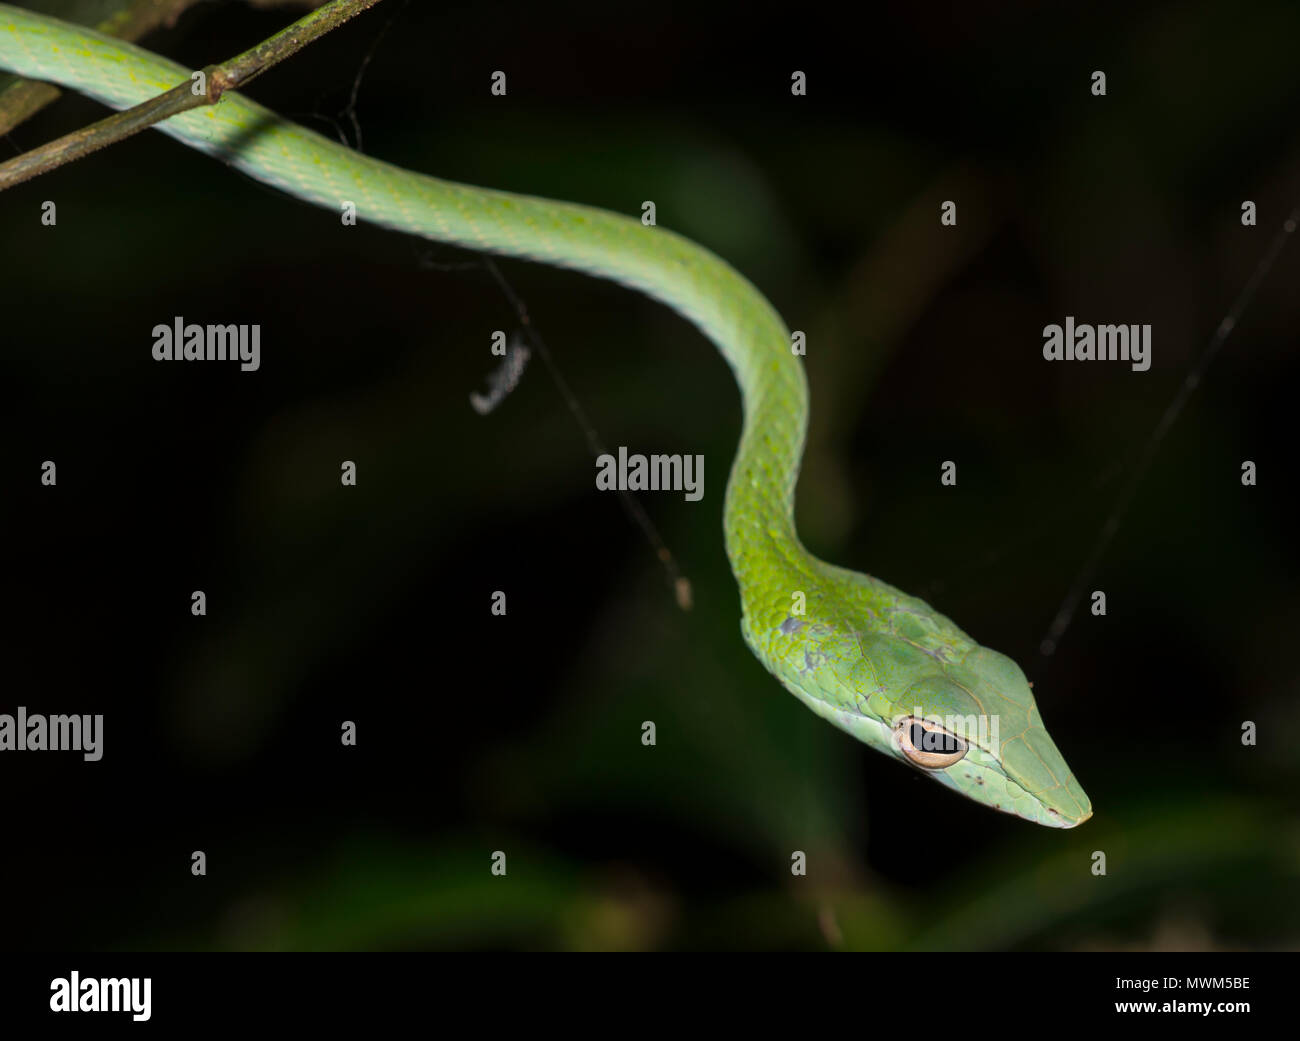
(865, 656)
(862, 655)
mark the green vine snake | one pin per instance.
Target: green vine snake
(879, 664)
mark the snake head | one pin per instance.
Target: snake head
(919, 689)
(973, 725)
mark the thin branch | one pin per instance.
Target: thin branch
(181, 98)
(20, 99)
(1065, 614)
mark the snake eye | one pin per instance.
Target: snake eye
(928, 744)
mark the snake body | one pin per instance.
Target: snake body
(881, 665)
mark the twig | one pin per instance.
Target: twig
(181, 98)
(1065, 614)
(22, 98)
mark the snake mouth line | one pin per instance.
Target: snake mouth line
(1050, 816)
(1068, 822)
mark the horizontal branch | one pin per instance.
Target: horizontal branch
(216, 80)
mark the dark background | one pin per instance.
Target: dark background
(522, 733)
